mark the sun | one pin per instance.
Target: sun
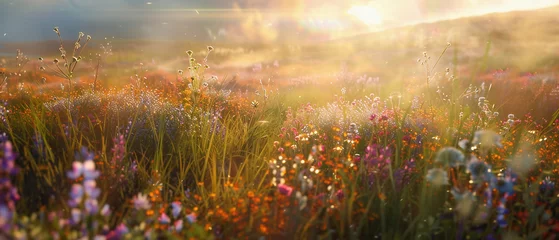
(367, 14)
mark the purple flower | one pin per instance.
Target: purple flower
(340, 194)
(76, 216)
(91, 206)
(8, 193)
(502, 211)
(119, 150)
(89, 171)
(90, 188)
(285, 190)
(176, 209)
(77, 169)
(76, 195)
(87, 168)
(191, 218)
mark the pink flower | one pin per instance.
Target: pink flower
(285, 190)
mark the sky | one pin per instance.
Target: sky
(236, 21)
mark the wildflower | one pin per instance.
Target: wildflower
(76, 194)
(8, 193)
(76, 215)
(372, 117)
(90, 188)
(106, 210)
(510, 116)
(506, 183)
(164, 219)
(340, 194)
(510, 122)
(91, 206)
(141, 202)
(546, 185)
(502, 211)
(285, 190)
(178, 225)
(437, 176)
(176, 208)
(191, 217)
(450, 156)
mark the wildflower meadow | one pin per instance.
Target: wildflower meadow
(99, 143)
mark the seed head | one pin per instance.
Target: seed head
(56, 30)
(40, 59)
(80, 35)
(88, 37)
(210, 48)
(189, 52)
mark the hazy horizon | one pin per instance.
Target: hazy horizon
(236, 21)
